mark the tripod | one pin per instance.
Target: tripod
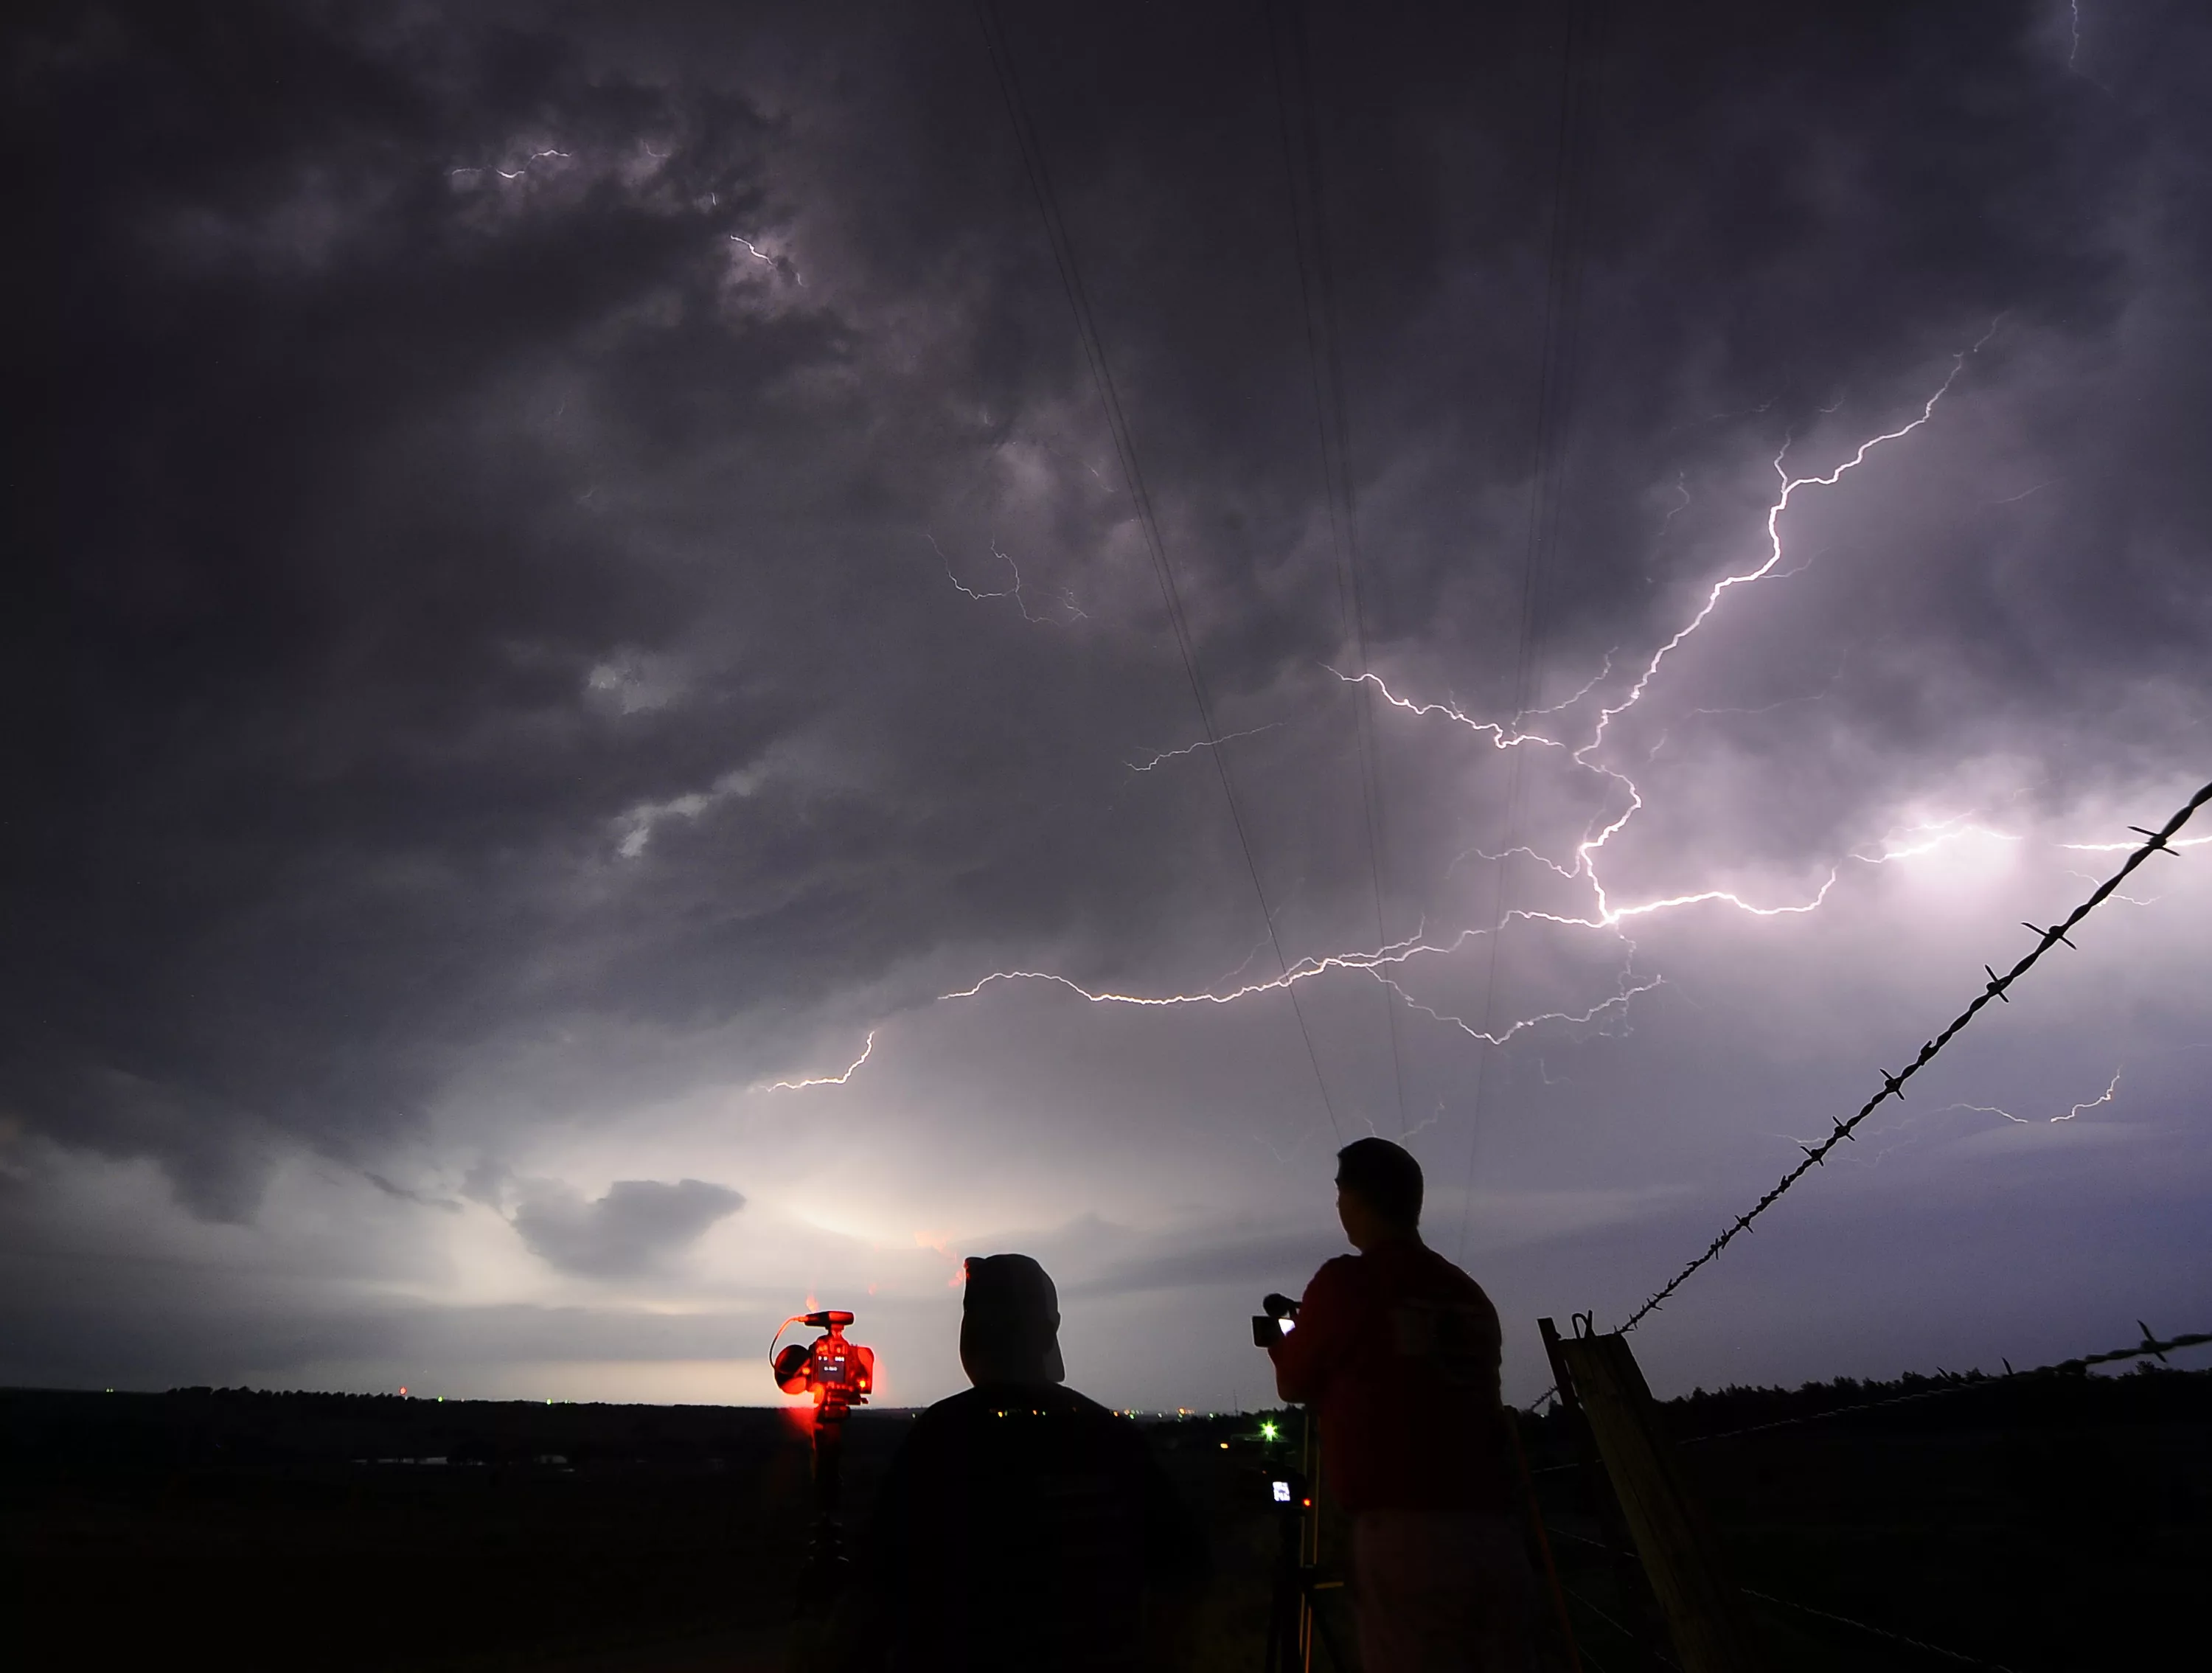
(827, 1565)
(1293, 1622)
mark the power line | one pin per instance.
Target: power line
(1079, 301)
(1561, 290)
(2154, 842)
(1324, 359)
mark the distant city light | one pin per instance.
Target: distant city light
(1268, 1432)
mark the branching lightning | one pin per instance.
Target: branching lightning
(1584, 748)
(1072, 611)
(1584, 866)
(1618, 1002)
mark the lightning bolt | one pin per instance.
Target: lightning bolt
(2110, 1092)
(826, 1079)
(2116, 847)
(781, 264)
(1193, 749)
(1791, 486)
(508, 173)
(2118, 894)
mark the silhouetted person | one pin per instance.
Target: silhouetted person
(1022, 1526)
(1397, 1350)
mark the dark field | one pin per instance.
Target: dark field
(2057, 1524)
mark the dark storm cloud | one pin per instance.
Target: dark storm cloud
(483, 626)
(408, 1194)
(636, 1227)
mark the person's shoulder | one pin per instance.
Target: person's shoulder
(1052, 1400)
(1448, 1276)
(1339, 1272)
(947, 1416)
(1079, 1408)
(953, 1407)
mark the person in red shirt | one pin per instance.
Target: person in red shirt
(1396, 1350)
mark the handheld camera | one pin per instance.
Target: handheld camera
(1272, 1326)
(838, 1374)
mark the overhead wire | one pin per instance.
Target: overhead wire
(1110, 398)
(1562, 291)
(1332, 430)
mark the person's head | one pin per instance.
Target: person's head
(1378, 1192)
(1010, 1322)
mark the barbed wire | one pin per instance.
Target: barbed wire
(2149, 1348)
(1627, 1633)
(2156, 842)
(1867, 1626)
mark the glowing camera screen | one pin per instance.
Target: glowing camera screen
(1282, 1493)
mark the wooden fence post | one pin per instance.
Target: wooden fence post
(1682, 1556)
(1644, 1624)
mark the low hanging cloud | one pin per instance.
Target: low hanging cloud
(636, 1228)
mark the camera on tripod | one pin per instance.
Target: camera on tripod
(838, 1374)
(1272, 1326)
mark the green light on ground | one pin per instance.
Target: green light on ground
(1268, 1432)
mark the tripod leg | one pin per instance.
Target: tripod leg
(1286, 1604)
(1327, 1638)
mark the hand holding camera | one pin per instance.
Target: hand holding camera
(1272, 1326)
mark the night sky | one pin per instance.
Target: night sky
(569, 574)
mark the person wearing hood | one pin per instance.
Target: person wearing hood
(1022, 1526)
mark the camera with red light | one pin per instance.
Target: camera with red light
(837, 1372)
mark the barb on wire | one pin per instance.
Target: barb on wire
(1878, 1632)
(2149, 1348)
(2156, 842)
